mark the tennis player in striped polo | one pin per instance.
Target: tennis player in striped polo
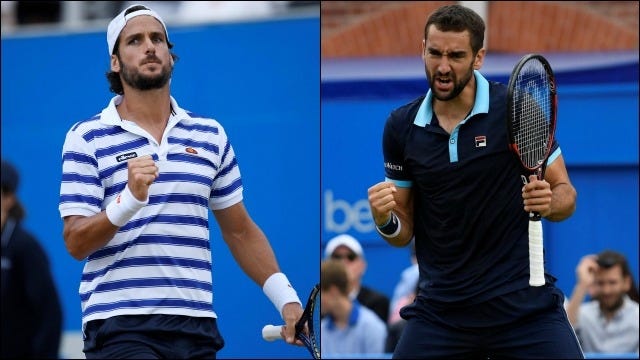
(138, 180)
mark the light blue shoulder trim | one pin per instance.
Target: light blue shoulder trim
(400, 183)
(554, 155)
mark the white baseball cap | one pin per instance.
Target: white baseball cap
(343, 240)
(118, 23)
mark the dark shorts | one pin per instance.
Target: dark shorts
(152, 337)
(525, 324)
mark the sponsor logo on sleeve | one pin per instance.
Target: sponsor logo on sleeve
(393, 167)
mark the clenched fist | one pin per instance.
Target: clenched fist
(142, 172)
(382, 201)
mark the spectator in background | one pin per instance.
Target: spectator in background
(346, 327)
(347, 248)
(609, 322)
(38, 12)
(195, 11)
(9, 17)
(404, 294)
(209, 11)
(396, 322)
(31, 310)
(405, 287)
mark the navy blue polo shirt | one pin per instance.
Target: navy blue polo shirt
(471, 232)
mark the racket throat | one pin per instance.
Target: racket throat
(534, 216)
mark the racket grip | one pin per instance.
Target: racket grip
(536, 254)
(271, 332)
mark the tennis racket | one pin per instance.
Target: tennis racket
(531, 122)
(310, 317)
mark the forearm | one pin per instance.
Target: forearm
(252, 252)
(563, 202)
(573, 306)
(85, 235)
(406, 229)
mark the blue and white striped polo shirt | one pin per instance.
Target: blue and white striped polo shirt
(160, 261)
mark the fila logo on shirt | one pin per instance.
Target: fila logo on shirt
(481, 141)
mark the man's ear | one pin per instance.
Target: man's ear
(479, 59)
(115, 64)
(627, 283)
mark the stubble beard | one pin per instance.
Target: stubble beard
(457, 88)
(142, 82)
(612, 307)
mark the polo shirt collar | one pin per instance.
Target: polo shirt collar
(353, 316)
(619, 314)
(480, 106)
(110, 116)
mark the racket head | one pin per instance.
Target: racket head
(310, 322)
(532, 112)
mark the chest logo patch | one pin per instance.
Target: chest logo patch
(127, 156)
(191, 150)
(481, 141)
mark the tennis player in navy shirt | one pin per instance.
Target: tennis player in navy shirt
(452, 182)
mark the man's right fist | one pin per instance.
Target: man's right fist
(142, 173)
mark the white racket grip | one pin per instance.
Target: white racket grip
(536, 254)
(271, 332)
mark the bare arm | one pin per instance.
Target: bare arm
(584, 275)
(83, 235)
(554, 197)
(385, 197)
(251, 249)
(248, 244)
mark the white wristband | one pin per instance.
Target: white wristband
(123, 207)
(279, 291)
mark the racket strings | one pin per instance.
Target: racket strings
(532, 113)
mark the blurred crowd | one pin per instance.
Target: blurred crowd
(16, 14)
(359, 320)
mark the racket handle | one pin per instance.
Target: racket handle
(536, 254)
(271, 332)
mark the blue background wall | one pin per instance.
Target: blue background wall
(597, 131)
(259, 79)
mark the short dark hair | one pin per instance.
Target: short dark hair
(115, 84)
(10, 180)
(458, 18)
(608, 259)
(334, 273)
